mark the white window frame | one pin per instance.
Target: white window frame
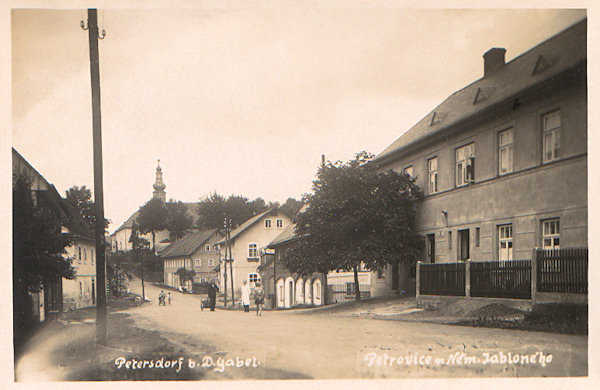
(252, 250)
(211, 262)
(279, 223)
(505, 151)
(551, 136)
(253, 277)
(505, 242)
(267, 223)
(207, 248)
(465, 162)
(432, 174)
(198, 263)
(551, 233)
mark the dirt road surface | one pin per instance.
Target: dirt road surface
(284, 344)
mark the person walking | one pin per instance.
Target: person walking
(212, 294)
(259, 298)
(169, 298)
(161, 298)
(246, 296)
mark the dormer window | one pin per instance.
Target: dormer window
(280, 223)
(267, 223)
(207, 248)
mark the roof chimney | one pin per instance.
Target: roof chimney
(493, 60)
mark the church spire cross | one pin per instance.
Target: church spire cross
(159, 185)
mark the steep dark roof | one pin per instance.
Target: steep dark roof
(286, 235)
(187, 244)
(191, 212)
(75, 222)
(557, 54)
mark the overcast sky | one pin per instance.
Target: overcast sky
(241, 101)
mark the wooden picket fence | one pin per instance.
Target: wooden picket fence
(562, 270)
(442, 279)
(501, 279)
(557, 271)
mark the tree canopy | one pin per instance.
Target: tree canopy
(153, 218)
(177, 219)
(81, 199)
(291, 207)
(214, 208)
(356, 215)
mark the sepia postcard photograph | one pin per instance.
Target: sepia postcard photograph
(284, 193)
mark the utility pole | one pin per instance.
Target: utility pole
(225, 262)
(231, 265)
(93, 34)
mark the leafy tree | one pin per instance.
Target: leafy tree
(177, 220)
(81, 199)
(118, 271)
(213, 209)
(153, 218)
(258, 205)
(185, 275)
(291, 207)
(38, 252)
(239, 209)
(357, 215)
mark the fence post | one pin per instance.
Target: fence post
(534, 275)
(418, 282)
(468, 278)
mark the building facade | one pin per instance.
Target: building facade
(248, 242)
(58, 295)
(197, 251)
(503, 161)
(284, 289)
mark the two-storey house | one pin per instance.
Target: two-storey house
(197, 251)
(247, 242)
(503, 161)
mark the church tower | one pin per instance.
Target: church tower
(159, 185)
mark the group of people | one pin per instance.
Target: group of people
(164, 298)
(258, 294)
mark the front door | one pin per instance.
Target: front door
(463, 244)
(431, 248)
(93, 293)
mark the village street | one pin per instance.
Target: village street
(326, 346)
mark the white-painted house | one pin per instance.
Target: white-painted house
(248, 241)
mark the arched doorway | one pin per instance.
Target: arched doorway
(299, 291)
(317, 292)
(280, 294)
(308, 292)
(289, 292)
